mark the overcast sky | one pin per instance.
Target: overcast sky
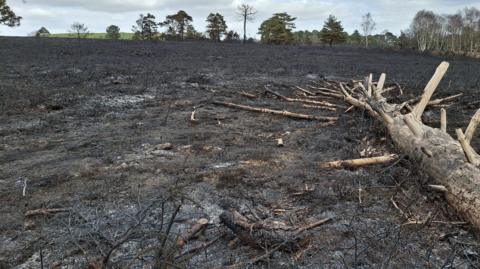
(57, 15)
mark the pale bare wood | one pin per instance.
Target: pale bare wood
(435, 102)
(45, 211)
(197, 228)
(320, 107)
(248, 95)
(430, 89)
(359, 162)
(389, 89)
(323, 89)
(192, 116)
(276, 112)
(443, 120)
(413, 125)
(472, 126)
(304, 90)
(349, 109)
(381, 82)
(443, 100)
(472, 157)
(288, 99)
(445, 161)
(357, 103)
(439, 188)
(280, 142)
(329, 94)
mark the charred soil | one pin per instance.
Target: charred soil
(102, 131)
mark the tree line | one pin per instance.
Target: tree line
(457, 33)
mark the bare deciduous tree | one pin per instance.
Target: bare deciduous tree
(79, 29)
(459, 32)
(424, 26)
(246, 13)
(368, 25)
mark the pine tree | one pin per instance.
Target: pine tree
(177, 24)
(232, 36)
(216, 27)
(7, 16)
(278, 29)
(332, 32)
(193, 34)
(356, 38)
(113, 32)
(146, 28)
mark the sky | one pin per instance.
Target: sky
(58, 15)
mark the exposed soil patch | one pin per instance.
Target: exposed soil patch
(85, 126)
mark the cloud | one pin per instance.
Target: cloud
(57, 15)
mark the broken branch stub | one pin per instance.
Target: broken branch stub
(472, 126)
(443, 120)
(430, 89)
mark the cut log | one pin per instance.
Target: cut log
(359, 162)
(436, 152)
(276, 112)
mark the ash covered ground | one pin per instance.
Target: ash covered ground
(102, 130)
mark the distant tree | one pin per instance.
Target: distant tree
(278, 29)
(332, 32)
(355, 38)
(193, 34)
(146, 28)
(79, 29)
(232, 36)
(177, 24)
(246, 13)
(423, 27)
(403, 40)
(368, 25)
(389, 39)
(7, 16)
(306, 37)
(113, 32)
(216, 27)
(42, 32)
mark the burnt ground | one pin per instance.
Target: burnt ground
(84, 123)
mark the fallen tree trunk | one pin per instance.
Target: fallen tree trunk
(452, 163)
(276, 112)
